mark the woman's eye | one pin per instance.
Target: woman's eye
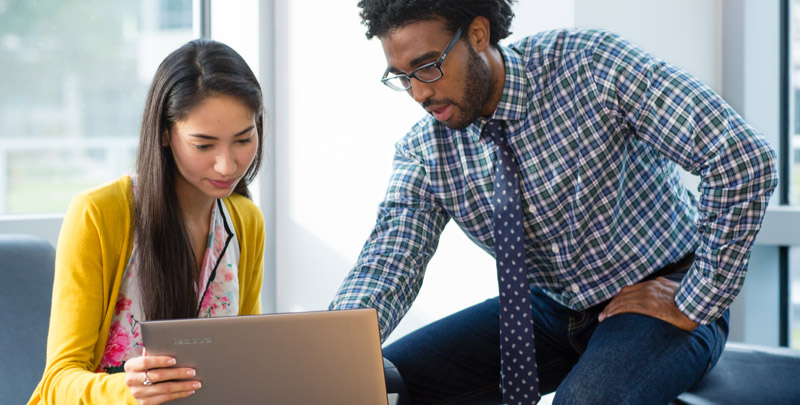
(246, 140)
(202, 147)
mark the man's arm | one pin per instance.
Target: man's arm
(689, 124)
(389, 271)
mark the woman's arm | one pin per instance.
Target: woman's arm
(83, 282)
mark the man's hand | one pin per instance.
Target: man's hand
(654, 298)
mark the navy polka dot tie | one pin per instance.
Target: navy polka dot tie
(517, 352)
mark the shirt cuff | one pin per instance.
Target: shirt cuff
(699, 299)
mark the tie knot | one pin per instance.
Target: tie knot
(496, 130)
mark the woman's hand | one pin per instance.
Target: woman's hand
(150, 379)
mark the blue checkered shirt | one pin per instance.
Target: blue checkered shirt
(597, 126)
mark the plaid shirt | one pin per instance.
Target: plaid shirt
(597, 127)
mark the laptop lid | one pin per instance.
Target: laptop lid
(330, 357)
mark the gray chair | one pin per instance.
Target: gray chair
(26, 287)
(394, 384)
(749, 374)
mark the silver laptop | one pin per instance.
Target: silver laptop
(330, 357)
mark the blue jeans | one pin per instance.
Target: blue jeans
(626, 359)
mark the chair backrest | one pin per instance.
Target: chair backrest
(26, 288)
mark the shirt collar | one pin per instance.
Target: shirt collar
(513, 103)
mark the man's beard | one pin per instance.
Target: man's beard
(476, 93)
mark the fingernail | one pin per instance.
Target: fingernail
(171, 362)
(190, 373)
(197, 385)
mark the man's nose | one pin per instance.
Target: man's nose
(420, 91)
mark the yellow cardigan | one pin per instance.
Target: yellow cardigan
(94, 246)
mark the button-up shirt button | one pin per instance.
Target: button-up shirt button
(532, 209)
(575, 288)
(713, 309)
(554, 248)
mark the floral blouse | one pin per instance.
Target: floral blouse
(219, 286)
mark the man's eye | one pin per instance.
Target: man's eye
(428, 72)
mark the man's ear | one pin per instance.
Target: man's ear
(479, 33)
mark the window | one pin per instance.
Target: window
(793, 143)
(75, 74)
(794, 74)
(175, 14)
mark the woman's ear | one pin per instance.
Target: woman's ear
(479, 33)
(165, 138)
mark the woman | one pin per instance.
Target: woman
(178, 240)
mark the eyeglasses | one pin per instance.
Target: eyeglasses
(427, 73)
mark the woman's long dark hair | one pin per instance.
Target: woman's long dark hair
(165, 261)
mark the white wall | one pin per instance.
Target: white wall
(336, 126)
(685, 33)
(247, 26)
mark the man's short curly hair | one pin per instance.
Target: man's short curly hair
(383, 16)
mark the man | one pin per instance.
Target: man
(562, 151)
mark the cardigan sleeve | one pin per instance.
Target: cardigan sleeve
(83, 283)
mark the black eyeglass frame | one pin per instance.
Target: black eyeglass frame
(386, 79)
